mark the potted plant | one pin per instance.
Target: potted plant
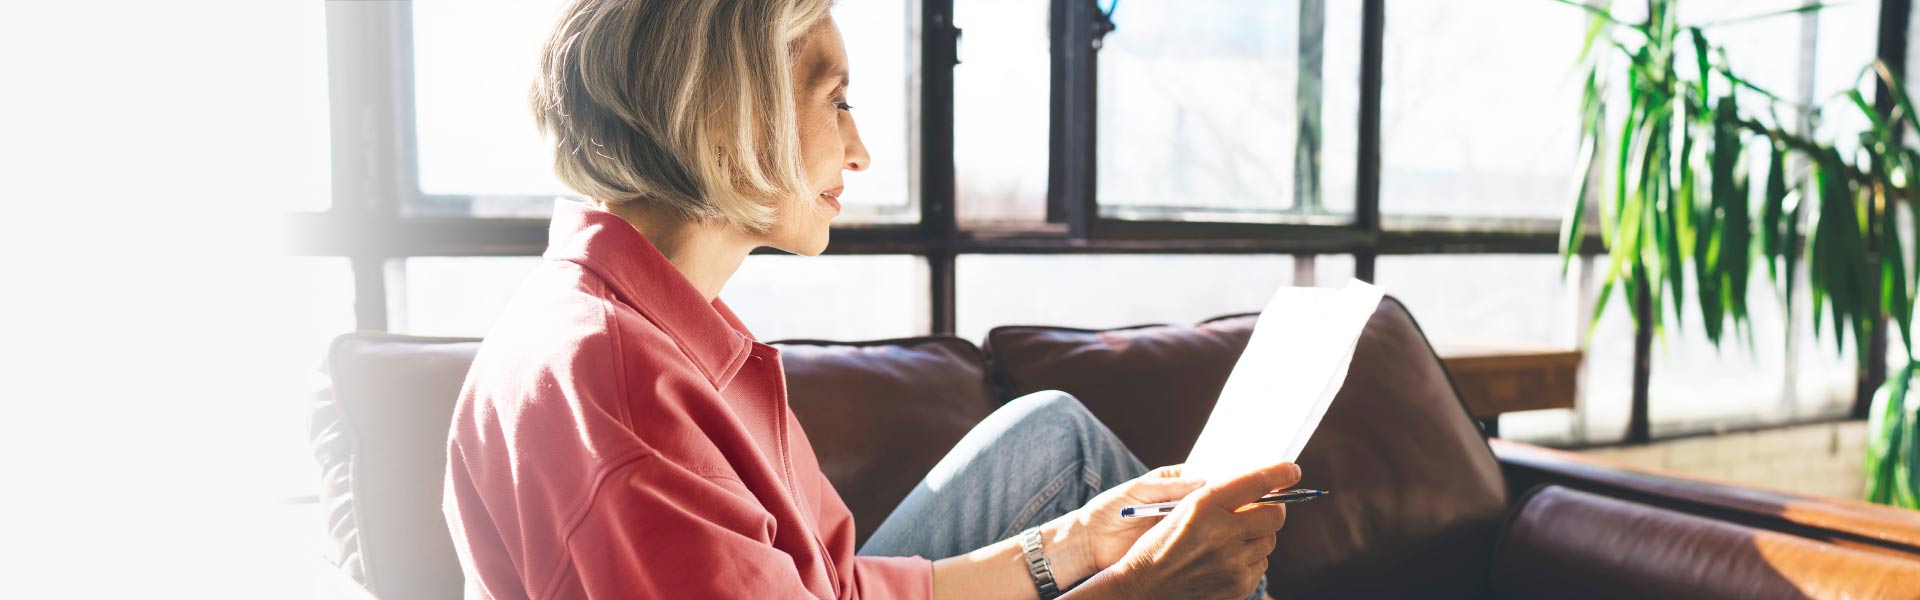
(1692, 186)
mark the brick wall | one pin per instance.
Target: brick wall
(1823, 459)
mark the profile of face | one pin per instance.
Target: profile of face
(829, 142)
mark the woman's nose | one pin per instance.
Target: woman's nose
(856, 150)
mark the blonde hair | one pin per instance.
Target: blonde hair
(688, 104)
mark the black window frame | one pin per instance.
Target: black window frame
(372, 233)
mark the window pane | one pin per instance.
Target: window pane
(1823, 375)
(286, 156)
(480, 153)
(1000, 108)
(295, 307)
(1766, 52)
(1100, 291)
(474, 62)
(1479, 110)
(1332, 270)
(778, 297)
(1340, 105)
(1501, 299)
(879, 36)
(1523, 302)
(454, 296)
(1843, 47)
(1202, 106)
(831, 297)
(1696, 386)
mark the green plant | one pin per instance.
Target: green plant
(1678, 204)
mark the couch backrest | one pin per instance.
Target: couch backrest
(1416, 494)
(879, 414)
(1565, 543)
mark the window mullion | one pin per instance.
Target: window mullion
(1070, 175)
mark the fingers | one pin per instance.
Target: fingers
(1168, 472)
(1239, 491)
(1263, 545)
(1250, 578)
(1151, 489)
(1264, 519)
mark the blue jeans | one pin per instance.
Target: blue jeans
(1039, 457)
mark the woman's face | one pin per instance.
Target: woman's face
(829, 142)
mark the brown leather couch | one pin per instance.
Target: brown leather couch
(1423, 506)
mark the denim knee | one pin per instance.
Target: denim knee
(1046, 410)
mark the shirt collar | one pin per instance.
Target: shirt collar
(641, 277)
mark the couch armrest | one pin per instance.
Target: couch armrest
(1568, 544)
(1847, 523)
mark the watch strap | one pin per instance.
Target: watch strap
(1037, 564)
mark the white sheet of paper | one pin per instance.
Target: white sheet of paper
(1292, 368)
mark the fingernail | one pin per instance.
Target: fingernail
(1296, 470)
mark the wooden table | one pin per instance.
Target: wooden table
(1495, 379)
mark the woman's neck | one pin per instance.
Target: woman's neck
(707, 253)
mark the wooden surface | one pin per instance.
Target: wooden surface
(1495, 379)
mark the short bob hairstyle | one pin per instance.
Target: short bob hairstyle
(682, 104)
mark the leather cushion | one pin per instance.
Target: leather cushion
(1416, 494)
(380, 435)
(880, 414)
(1564, 543)
(1153, 385)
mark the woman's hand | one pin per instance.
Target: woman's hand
(1097, 537)
(1213, 546)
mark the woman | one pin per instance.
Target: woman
(621, 434)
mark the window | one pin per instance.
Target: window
(1230, 148)
(473, 66)
(1215, 110)
(1000, 111)
(1478, 111)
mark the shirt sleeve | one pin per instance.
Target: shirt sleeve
(892, 577)
(655, 529)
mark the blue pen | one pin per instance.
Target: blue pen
(1154, 510)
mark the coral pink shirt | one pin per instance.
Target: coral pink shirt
(621, 437)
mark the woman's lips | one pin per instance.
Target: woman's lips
(832, 197)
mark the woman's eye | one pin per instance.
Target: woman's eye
(842, 106)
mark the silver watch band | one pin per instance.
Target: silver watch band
(1037, 564)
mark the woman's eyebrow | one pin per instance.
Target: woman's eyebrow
(837, 76)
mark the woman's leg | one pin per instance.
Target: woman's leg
(1032, 460)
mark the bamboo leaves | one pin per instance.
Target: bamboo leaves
(1676, 197)
(1890, 428)
(1678, 201)
(1837, 271)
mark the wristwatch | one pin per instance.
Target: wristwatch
(1037, 564)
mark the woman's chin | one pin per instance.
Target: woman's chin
(810, 244)
(816, 245)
